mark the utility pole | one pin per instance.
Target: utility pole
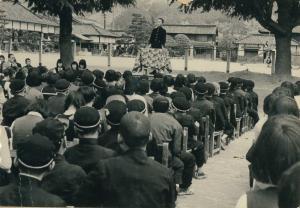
(104, 23)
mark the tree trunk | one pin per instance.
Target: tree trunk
(65, 36)
(283, 65)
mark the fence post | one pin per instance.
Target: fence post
(228, 61)
(186, 57)
(109, 55)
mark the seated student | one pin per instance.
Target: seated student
(289, 188)
(110, 78)
(276, 150)
(137, 105)
(87, 153)
(70, 75)
(179, 82)
(285, 105)
(59, 69)
(35, 157)
(131, 179)
(114, 111)
(64, 179)
(142, 89)
(166, 129)
(169, 82)
(87, 79)
(181, 107)
(15, 107)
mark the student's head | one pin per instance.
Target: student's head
(74, 66)
(290, 86)
(11, 57)
(289, 188)
(127, 75)
(62, 86)
(87, 78)
(87, 122)
(52, 78)
(168, 80)
(82, 64)
(285, 105)
(34, 79)
(159, 21)
(110, 75)
(156, 85)
(201, 89)
(28, 61)
(75, 99)
(40, 106)
(282, 91)
(53, 129)
(115, 110)
(130, 86)
(180, 81)
(135, 130)
(2, 58)
(99, 75)
(210, 89)
(143, 87)
(136, 105)
(161, 104)
(35, 155)
(268, 103)
(17, 86)
(70, 75)
(59, 63)
(88, 93)
(276, 149)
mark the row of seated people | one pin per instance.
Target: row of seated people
(274, 157)
(54, 106)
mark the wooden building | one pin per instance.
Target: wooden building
(203, 38)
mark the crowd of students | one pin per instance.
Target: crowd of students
(75, 137)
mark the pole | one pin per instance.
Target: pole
(228, 61)
(104, 19)
(186, 57)
(109, 55)
(41, 47)
(273, 53)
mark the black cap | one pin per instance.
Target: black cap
(224, 87)
(98, 74)
(200, 89)
(49, 91)
(177, 94)
(87, 78)
(156, 85)
(62, 85)
(52, 78)
(110, 75)
(87, 118)
(187, 92)
(115, 111)
(35, 152)
(181, 104)
(191, 78)
(70, 75)
(143, 86)
(34, 79)
(161, 104)
(16, 86)
(136, 105)
(201, 79)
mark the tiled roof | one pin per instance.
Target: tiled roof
(17, 12)
(261, 39)
(191, 29)
(90, 29)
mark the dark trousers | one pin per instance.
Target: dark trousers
(188, 162)
(197, 148)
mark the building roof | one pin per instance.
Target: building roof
(92, 30)
(19, 13)
(261, 39)
(191, 29)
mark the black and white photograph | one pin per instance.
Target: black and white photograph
(150, 103)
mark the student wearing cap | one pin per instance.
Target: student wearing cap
(239, 96)
(64, 179)
(49, 90)
(70, 75)
(110, 78)
(145, 183)
(166, 129)
(15, 107)
(114, 111)
(229, 102)
(156, 85)
(56, 104)
(181, 107)
(35, 157)
(87, 153)
(87, 78)
(202, 107)
(142, 89)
